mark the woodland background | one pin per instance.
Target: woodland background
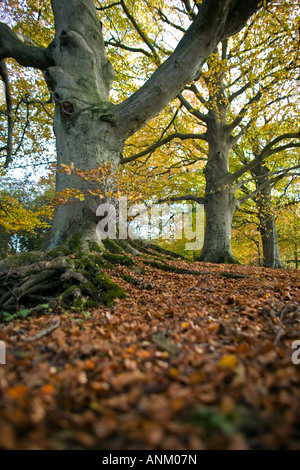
(183, 354)
(253, 78)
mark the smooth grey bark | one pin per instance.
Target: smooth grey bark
(89, 130)
(267, 226)
(269, 237)
(80, 80)
(219, 201)
(219, 210)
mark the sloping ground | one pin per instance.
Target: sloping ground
(186, 361)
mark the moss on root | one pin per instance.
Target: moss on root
(118, 259)
(66, 276)
(148, 248)
(24, 259)
(165, 252)
(109, 290)
(112, 246)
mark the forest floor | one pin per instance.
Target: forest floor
(184, 362)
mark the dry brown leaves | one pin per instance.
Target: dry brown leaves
(184, 362)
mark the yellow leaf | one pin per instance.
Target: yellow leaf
(228, 362)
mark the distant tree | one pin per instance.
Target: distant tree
(246, 87)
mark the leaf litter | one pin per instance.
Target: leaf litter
(184, 362)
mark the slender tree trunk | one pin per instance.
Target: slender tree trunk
(267, 226)
(278, 263)
(296, 260)
(271, 255)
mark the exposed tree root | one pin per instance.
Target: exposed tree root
(148, 248)
(72, 276)
(66, 276)
(174, 269)
(225, 258)
(69, 275)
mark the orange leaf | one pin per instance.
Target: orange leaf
(228, 362)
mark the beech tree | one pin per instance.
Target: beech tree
(289, 238)
(90, 131)
(267, 220)
(244, 80)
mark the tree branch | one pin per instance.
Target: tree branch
(189, 197)
(197, 93)
(8, 98)
(160, 143)
(191, 110)
(286, 172)
(189, 9)
(264, 154)
(128, 48)
(12, 46)
(106, 7)
(215, 21)
(165, 19)
(139, 31)
(270, 182)
(230, 127)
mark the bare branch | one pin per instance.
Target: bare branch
(269, 182)
(230, 127)
(289, 135)
(191, 110)
(165, 19)
(266, 152)
(106, 7)
(141, 33)
(286, 172)
(160, 143)
(24, 130)
(12, 46)
(189, 9)
(237, 93)
(41, 103)
(128, 48)
(197, 93)
(189, 197)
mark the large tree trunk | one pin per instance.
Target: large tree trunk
(89, 130)
(79, 147)
(219, 208)
(220, 201)
(81, 81)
